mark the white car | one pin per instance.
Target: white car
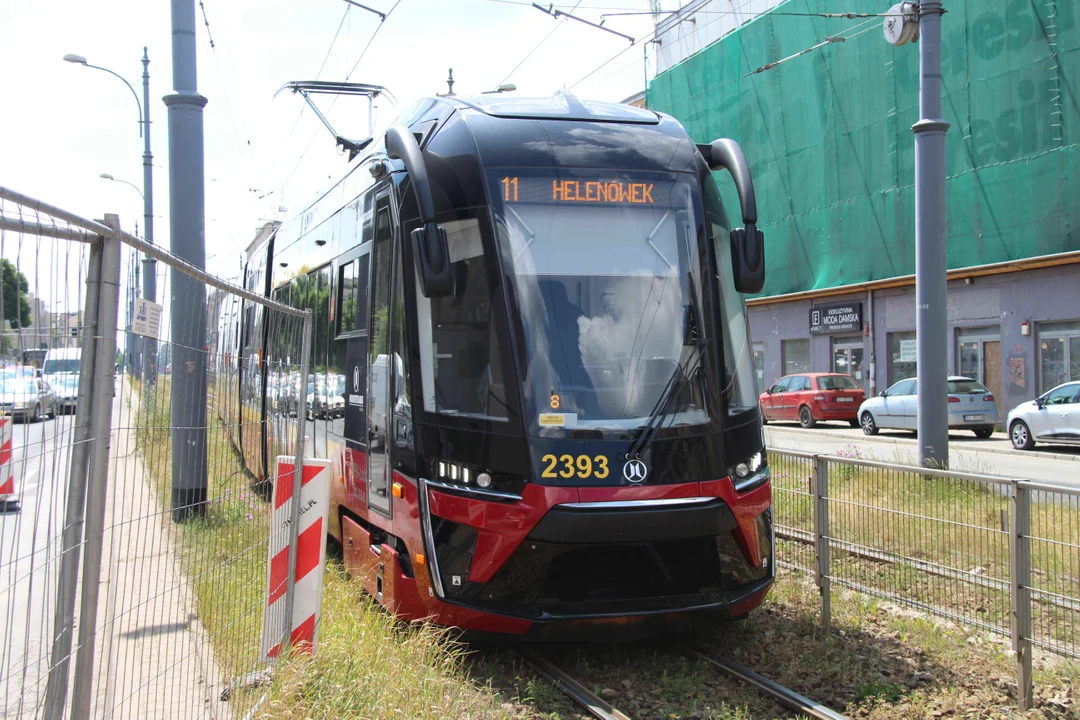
(1053, 417)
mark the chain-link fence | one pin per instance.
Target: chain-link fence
(135, 547)
(987, 552)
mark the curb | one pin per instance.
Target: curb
(1036, 453)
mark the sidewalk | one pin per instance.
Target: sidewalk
(155, 659)
(998, 443)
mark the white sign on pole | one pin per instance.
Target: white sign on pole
(147, 321)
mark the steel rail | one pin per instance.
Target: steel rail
(788, 698)
(578, 692)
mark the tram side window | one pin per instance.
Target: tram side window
(352, 300)
(460, 359)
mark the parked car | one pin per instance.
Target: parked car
(1053, 417)
(809, 397)
(325, 398)
(66, 388)
(27, 398)
(971, 407)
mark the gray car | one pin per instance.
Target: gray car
(971, 407)
(1053, 417)
(27, 398)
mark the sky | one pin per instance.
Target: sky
(62, 125)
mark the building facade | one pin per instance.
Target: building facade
(823, 107)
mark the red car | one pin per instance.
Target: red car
(809, 397)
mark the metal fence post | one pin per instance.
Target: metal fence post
(101, 423)
(64, 617)
(297, 476)
(1020, 572)
(821, 538)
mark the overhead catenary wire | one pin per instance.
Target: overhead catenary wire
(533, 51)
(334, 101)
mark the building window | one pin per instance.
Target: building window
(902, 356)
(759, 366)
(1059, 354)
(795, 355)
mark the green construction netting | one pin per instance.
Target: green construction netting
(828, 134)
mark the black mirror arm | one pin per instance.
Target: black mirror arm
(726, 153)
(430, 240)
(401, 145)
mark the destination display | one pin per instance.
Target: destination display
(555, 190)
(836, 318)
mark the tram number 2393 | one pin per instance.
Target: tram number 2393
(581, 466)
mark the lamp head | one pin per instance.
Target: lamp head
(106, 176)
(73, 58)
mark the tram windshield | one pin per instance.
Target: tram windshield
(607, 270)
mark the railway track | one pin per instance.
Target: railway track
(576, 691)
(788, 698)
(600, 708)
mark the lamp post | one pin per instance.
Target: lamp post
(133, 350)
(149, 280)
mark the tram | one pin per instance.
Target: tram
(529, 313)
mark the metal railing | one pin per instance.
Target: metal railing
(987, 552)
(134, 547)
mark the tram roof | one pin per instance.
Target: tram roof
(563, 105)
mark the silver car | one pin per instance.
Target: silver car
(1053, 417)
(971, 407)
(27, 398)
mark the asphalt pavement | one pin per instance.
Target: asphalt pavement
(29, 558)
(1057, 464)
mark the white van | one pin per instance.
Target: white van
(59, 361)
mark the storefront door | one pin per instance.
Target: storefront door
(847, 358)
(979, 358)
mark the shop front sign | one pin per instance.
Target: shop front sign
(836, 318)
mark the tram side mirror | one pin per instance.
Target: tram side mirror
(748, 259)
(432, 255)
(747, 242)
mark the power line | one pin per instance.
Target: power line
(207, 23)
(334, 101)
(318, 75)
(531, 52)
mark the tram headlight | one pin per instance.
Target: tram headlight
(750, 473)
(483, 480)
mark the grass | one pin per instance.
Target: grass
(940, 544)
(368, 665)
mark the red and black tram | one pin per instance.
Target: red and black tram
(531, 367)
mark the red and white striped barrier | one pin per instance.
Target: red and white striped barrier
(9, 502)
(310, 556)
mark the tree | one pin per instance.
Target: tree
(16, 302)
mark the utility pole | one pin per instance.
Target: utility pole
(905, 22)
(931, 260)
(149, 345)
(187, 305)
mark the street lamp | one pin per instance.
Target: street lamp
(149, 264)
(505, 87)
(107, 176)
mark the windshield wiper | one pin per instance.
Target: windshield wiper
(674, 384)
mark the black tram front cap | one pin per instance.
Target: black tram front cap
(555, 131)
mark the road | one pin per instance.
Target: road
(1059, 465)
(29, 561)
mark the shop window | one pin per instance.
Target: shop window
(902, 356)
(1059, 354)
(795, 355)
